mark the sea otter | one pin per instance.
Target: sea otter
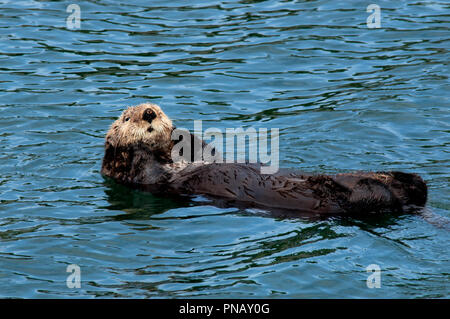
(138, 149)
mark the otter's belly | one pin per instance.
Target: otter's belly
(289, 189)
(244, 183)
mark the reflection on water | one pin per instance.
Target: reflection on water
(345, 97)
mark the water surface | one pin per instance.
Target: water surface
(345, 97)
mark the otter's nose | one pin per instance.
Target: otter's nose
(149, 115)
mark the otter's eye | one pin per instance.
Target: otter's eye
(127, 119)
(149, 115)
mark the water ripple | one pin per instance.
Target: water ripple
(345, 97)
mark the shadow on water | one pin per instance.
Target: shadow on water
(138, 204)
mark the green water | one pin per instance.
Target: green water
(345, 97)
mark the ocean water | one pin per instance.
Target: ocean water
(344, 97)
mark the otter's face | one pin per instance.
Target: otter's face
(143, 124)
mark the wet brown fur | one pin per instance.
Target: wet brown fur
(137, 153)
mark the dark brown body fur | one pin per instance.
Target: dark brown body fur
(141, 164)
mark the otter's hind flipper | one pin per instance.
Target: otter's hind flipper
(383, 191)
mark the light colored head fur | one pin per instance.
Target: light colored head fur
(132, 128)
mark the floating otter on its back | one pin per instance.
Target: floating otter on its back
(138, 150)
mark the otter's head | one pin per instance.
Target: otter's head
(141, 135)
(144, 125)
